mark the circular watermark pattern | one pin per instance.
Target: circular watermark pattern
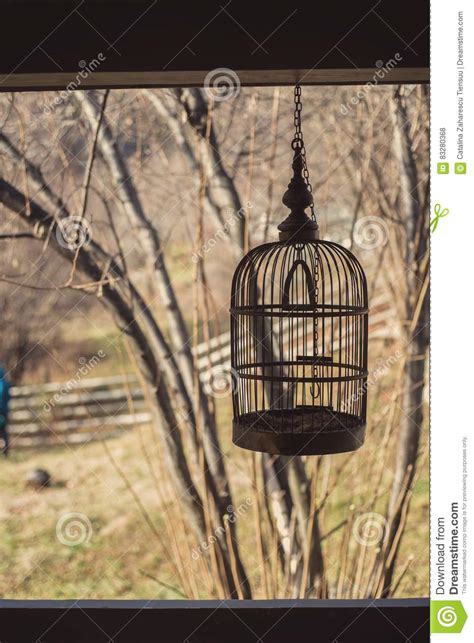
(369, 529)
(73, 529)
(221, 84)
(370, 232)
(379, 63)
(447, 616)
(73, 232)
(222, 381)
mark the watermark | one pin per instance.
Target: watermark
(382, 70)
(221, 84)
(439, 213)
(382, 367)
(221, 381)
(447, 617)
(73, 529)
(370, 232)
(73, 232)
(85, 367)
(369, 529)
(85, 70)
(229, 223)
(233, 514)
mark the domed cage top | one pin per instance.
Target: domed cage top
(299, 349)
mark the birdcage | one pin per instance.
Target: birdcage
(299, 323)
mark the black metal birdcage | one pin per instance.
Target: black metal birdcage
(299, 316)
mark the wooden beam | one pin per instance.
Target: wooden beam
(136, 43)
(254, 78)
(395, 620)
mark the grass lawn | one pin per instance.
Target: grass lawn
(121, 552)
(34, 563)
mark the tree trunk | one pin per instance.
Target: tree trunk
(223, 196)
(417, 330)
(94, 262)
(88, 262)
(151, 246)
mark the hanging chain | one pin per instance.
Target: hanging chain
(298, 144)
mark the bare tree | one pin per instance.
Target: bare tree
(285, 478)
(414, 202)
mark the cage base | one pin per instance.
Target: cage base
(299, 431)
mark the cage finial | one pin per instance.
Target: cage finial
(298, 225)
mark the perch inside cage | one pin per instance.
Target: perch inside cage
(299, 314)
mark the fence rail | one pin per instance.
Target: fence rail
(85, 410)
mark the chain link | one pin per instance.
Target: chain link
(298, 144)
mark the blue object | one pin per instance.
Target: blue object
(5, 387)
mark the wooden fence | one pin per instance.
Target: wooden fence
(83, 410)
